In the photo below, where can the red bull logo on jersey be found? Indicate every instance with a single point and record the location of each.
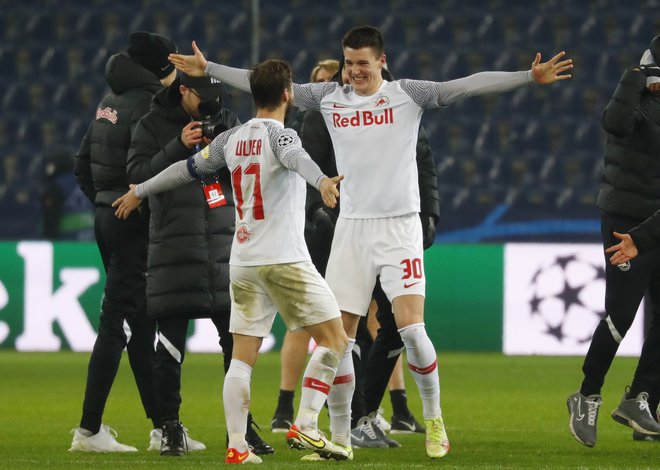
(364, 118)
(246, 148)
(381, 101)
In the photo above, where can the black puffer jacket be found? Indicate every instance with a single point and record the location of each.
(100, 164)
(631, 175)
(189, 243)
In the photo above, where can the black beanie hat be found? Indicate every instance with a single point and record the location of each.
(150, 50)
(655, 49)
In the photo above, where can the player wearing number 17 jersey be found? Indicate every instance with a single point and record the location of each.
(373, 124)
(270, 267)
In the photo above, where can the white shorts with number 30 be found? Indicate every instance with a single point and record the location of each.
(296, 290)
(362, 249)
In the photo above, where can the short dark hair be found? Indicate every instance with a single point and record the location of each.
(365, 36)
(268, 80)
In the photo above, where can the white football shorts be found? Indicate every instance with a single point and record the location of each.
(296, 290)
(363, 249)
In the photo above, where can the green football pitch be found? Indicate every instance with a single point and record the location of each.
(500, 412)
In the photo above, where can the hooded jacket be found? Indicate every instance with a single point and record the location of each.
(100, 163)
(631, 174)
(189, 243)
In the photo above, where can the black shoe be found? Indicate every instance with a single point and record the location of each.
(173, 442)
(638, 436)
(406, 425)
(255, 441)
(281, 423)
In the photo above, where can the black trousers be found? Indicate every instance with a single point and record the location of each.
(170, 354)
(123, 248)
(374, 365)
(623, 293)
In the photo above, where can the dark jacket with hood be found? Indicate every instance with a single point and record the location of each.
(631, 175)
(189, 243)
(100, 164)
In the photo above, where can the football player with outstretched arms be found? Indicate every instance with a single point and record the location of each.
(373, 124)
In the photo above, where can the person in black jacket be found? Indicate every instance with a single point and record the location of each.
(100, 167)
(629, 194)
(190, 236)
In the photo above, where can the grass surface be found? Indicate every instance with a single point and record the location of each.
(501, 412)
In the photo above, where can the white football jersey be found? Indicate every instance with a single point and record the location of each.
(269, 197)
(375, 137)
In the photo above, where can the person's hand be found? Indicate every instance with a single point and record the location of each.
(193, 65)
(323, 220)
(428, 229)
(126, 203)
(623, 251)
(551, 71)
(191, 135)
(329, 191)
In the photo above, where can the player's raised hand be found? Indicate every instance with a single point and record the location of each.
(329, 191)
(193, 65)
(623, 251)
(552, 70)
(126, 203)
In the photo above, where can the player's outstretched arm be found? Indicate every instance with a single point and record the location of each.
(193, 65)
(552, 70)
(329, 191)
(623, 251)
(126, 203)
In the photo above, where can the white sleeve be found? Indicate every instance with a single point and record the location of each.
(238, 78)
(172, 177)
(288, 149)
(429, 94)
(309, 95)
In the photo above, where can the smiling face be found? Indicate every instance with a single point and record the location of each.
(363, 67)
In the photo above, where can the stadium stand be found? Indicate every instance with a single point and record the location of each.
(530, 155)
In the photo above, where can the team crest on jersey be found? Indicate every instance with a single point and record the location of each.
(243, 234)
(284, 140)
(205, 152)
(381, 101)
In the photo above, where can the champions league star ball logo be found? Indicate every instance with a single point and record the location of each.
(567, 298)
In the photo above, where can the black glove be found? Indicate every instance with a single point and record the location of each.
(650, 70)
(428, 229)
(324, 221)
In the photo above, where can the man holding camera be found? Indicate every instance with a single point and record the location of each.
(190, 236)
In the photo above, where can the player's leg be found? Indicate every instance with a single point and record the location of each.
(292, 362)
(623, 294)
(351, 275)
(236, 396)
(645, 384)
(402, 278)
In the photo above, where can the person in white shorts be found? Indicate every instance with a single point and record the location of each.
(373, 124)
(270, 267)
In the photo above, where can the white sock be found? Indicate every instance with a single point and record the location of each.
(236, 401)
(339, 399)
(423, 363)
(316, 384)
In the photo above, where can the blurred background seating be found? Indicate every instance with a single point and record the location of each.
(533, 154)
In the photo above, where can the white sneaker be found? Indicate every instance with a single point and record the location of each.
(103, 441)
(382, 422)
(156, 436)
